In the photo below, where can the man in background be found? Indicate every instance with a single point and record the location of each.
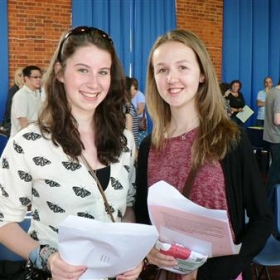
(27, 101)
(261, 97)
(272, 135)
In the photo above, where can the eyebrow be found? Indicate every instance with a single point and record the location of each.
(85, 65)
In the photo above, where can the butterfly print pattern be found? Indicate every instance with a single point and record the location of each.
(126, 149)
(18, 148)
(32, 136)
(35, 192)
(127, 168)
(82, 192)
(57, 186)
(35, 215)
(54, 228)
(112, 210)
(34, 235)
(120, 214)
(55, 208)
(70, 165)
(52, 183)
(5, 163)
(116, 184)
(4, 193)
(85, 215)
(25, 201)
(41, 161)
(24, 176)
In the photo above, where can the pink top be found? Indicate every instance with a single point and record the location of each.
(172, 165)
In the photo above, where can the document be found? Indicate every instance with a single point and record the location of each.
(245, 114)
(107, 249)
(181, 221)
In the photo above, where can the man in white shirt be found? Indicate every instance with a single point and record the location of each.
(27, 101)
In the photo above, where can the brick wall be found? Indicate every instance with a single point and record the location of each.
(205, 18)
(36, 26)
(34, 30)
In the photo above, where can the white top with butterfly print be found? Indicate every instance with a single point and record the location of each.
(35, 171)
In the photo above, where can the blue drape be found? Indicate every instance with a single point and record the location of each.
(251, 45)
(4, 65)
(133, 25)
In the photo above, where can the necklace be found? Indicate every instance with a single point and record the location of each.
(183, 133)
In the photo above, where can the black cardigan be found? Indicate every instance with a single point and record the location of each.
(244, 191)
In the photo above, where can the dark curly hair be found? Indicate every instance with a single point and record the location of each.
(56, 118)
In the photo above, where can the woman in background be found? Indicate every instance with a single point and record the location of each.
(18, 83)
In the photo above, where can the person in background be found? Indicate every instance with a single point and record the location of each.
(27, 101)
(261, 97)
(138, 101)
(18, 83)
(278, 85)
(271, 134)
(209, 156)
(46, 165)
(236, 100)
(132, 110)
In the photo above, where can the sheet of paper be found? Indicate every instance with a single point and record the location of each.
(107, 249)
(245, 114)
(179, 220)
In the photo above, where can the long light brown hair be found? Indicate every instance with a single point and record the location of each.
(216, 133)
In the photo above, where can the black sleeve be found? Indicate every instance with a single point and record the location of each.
(245, 192)
(141, 207)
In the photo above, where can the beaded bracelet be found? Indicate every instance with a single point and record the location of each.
(39, 256)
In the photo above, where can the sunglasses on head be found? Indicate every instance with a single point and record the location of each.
(83, 30)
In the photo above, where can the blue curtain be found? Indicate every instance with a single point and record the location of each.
(4, 65)
(133, 25)
(251, 45)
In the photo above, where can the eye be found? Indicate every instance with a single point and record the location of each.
(83, 70)
(161, 70)
(183, 67)
(104, 72)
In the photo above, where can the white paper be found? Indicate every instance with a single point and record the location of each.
(245, 114)
(180, 221)
(107, 249)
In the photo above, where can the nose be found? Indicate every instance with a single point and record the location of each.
(92, 80)
(172, 76)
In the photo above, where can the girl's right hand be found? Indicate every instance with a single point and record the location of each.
(61, 270)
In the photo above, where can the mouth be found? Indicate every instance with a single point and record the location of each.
(89, 94)
(175, 90)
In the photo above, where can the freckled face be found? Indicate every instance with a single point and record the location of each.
(177, 74)
(87, 78)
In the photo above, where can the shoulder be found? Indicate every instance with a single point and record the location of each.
(140, 96)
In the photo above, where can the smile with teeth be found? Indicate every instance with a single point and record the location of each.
(89, 95)
(175, 90)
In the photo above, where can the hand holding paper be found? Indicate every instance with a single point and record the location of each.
(180, 221)
(107, 249)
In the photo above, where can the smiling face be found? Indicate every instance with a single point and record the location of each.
(177, 74)
(87, 78)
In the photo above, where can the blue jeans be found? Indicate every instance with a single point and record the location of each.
(274, 169)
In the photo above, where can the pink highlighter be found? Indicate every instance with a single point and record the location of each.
(176, 250)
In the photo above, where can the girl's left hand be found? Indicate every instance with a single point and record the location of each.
(131, 274)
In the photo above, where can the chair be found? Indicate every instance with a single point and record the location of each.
(260, 146)
(270, 255)
(5, 253)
